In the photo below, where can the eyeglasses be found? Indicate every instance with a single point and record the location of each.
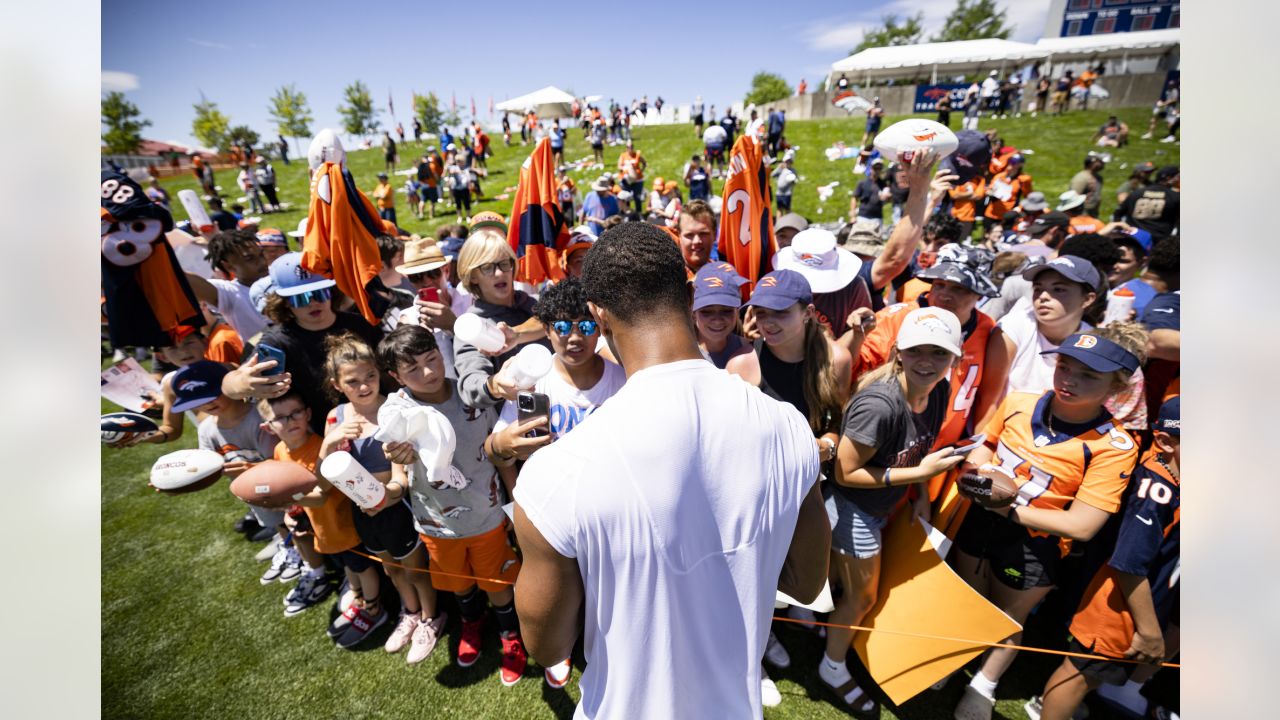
(298, 414)
(564, 327)
(302, 300)
(505, 266)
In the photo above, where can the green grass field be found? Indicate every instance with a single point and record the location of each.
(188, 632)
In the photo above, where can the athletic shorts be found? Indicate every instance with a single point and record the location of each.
(597, 146)
(697, 119)
(390, 531)
(430, 194)
(1109, 673)
(351, 561)
(488, 556)
(854, 532)
(1018, 559)
(873, 125)
(714, 153)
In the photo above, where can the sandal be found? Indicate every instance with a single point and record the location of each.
(850, 693)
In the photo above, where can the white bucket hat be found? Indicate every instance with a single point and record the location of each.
(813, 254)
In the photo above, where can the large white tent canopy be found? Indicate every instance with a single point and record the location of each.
(1132, 44)
(549, 102)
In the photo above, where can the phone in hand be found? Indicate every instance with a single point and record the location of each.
(429, 294)
(266, 352)
(968, 445)
(532, 405)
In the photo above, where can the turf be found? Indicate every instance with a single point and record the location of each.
(188, 632)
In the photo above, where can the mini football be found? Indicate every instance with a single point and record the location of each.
(119, 426)
(901, 140)
(990, 486)
(186, 471)
(273, 483)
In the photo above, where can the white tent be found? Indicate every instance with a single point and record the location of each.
(549, 102)
(946, 58)
(1082, 47)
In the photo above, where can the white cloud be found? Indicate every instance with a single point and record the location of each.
(116, 80)
(208, 44)
(842, 34)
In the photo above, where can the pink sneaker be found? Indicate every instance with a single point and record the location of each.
(425, 637)
(405, 628)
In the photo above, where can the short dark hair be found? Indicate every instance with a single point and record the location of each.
(227, 243)
(945, 226)
(1097, 249)
(1164, 258)
(291, 394)
(563, 301)
(635, 270)
(404, 344)
(215, 203)
(447, 231)
(388, 247)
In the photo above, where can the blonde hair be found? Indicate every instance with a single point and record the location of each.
(891, 370)
(483, 246)
(1131, 336)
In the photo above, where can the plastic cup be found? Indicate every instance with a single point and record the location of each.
(1119, 305)
(345, 473)
(532, 363)
(475, 330)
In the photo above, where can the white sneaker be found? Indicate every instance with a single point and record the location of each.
(269, 551)
(1168, 139)
(1146, 136)
(557, 676)
(974, 705)
(775, 654)
(405, 626)
(278, 562)
(769, 695)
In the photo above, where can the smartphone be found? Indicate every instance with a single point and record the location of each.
(266, 352)
(531, 405)
(429, 294)
(968, 444)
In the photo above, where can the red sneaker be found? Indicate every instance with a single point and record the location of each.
(469, 645)
(514, 659)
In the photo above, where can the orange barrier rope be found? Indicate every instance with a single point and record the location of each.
(925, 636)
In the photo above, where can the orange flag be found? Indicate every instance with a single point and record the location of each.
(746, 221)
(538, 230)
(342, 227)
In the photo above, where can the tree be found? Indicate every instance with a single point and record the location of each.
(242, 135)
(292, 114)
(767, 87)
(427, 109)
(908, 33)
(359, 117)
(974, 20)
(124, 126)
(210, 126)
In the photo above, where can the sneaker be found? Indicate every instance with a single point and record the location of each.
(514, 659)
(1146, 136)
(769, 695)
(1168, 139)
(262, 534)
(278, 562)
(557, 676)
(312, 589)
(469, 645)
(405, 627)
(1033, 708)
(247, 524)
(974, 705)
(425, 637)
(361, 626)
(776, 654)
(341, 623)
(269, 551)
(292, 566)
(297, 592)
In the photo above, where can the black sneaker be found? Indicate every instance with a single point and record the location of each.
(262, 534)
(247, 524)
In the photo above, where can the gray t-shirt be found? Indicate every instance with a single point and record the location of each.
(246, 440)
(879, 417)
(471, 503)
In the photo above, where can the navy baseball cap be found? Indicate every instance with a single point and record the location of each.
(781, 289)
(290, 278)
(1071, 267)
(1170, 418)
(717, 283)
(1099, 353)
(451, 246)
(197, 384)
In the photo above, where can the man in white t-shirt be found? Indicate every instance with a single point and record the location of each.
(235, 253)
(671, 515)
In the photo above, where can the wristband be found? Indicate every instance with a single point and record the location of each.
(886, 478)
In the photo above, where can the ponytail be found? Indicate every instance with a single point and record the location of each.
(821, 391)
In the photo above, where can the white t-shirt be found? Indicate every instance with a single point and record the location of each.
(679, 499)
(1029, 371)
(237, 309)
(569, 405)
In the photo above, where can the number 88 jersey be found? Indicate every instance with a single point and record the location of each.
(1090, 461)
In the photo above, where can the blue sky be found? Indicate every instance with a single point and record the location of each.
(163, 55)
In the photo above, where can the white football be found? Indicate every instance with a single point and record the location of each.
(900, 140)
(325, 147)
(186, 471)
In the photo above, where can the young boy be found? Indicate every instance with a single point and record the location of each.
(460, 520)
(1131, 608)
(332, 529)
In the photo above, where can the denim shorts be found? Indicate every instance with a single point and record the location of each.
(854, 531)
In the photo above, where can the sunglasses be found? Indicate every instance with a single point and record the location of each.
(302, 300)
(564, 327)
(505, 266)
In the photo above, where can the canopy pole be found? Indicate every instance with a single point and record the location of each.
(934, 79)
(1124, 63)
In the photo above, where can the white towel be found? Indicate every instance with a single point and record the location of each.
(427, 428)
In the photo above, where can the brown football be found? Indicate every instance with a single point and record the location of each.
(989, 486)
(273, 483)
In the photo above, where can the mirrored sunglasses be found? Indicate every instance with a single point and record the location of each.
(302, 300)
(564, 327)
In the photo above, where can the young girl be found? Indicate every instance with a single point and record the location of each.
(887, 434)
(1061, 291)
(387, 530)
(1070, 462)
(716, 299)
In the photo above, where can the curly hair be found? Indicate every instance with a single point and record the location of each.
(944, 227)
(1132, 337)
(635, 271)
(229, 243)
(1164, 260)
(563, 301)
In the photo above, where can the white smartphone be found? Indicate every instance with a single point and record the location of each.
(968, 445)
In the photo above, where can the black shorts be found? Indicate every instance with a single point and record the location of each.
(697, 119)
(597, 146)
(1018, 559)
(430, 194)
(351, 561)
(1109, 673)
(390, 531)
(715, 153)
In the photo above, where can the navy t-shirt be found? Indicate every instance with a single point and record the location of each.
(869, 203)
(1164, 312)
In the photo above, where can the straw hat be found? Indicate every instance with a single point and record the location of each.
(421, 255)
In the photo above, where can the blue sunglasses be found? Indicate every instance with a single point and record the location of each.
(302, 300)
(564, 327)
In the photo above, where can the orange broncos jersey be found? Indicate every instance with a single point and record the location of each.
(1084, 224)
(1090, 461)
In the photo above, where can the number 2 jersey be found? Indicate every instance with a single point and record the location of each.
(1056, 463)
(1148, 545)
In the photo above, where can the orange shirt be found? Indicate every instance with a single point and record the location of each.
(965, 210)
(385, 196)
(334, 529)
(224, 345)
(1005, 193)
(1084, 224)
(631, 161)
(912, 289)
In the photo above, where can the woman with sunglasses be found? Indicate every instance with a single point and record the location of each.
(299, 305)
(487, 269)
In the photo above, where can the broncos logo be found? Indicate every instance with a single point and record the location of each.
(713, 282)
(455, 511)
(769, 281)
(925, 137)
(188, 385)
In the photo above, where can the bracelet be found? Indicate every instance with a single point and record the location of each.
(886, 478)
(828, 444)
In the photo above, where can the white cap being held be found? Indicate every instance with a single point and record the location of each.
(931, 326)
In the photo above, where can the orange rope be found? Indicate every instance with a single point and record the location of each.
(925, 636)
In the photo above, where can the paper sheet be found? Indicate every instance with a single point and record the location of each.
(126, 384)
